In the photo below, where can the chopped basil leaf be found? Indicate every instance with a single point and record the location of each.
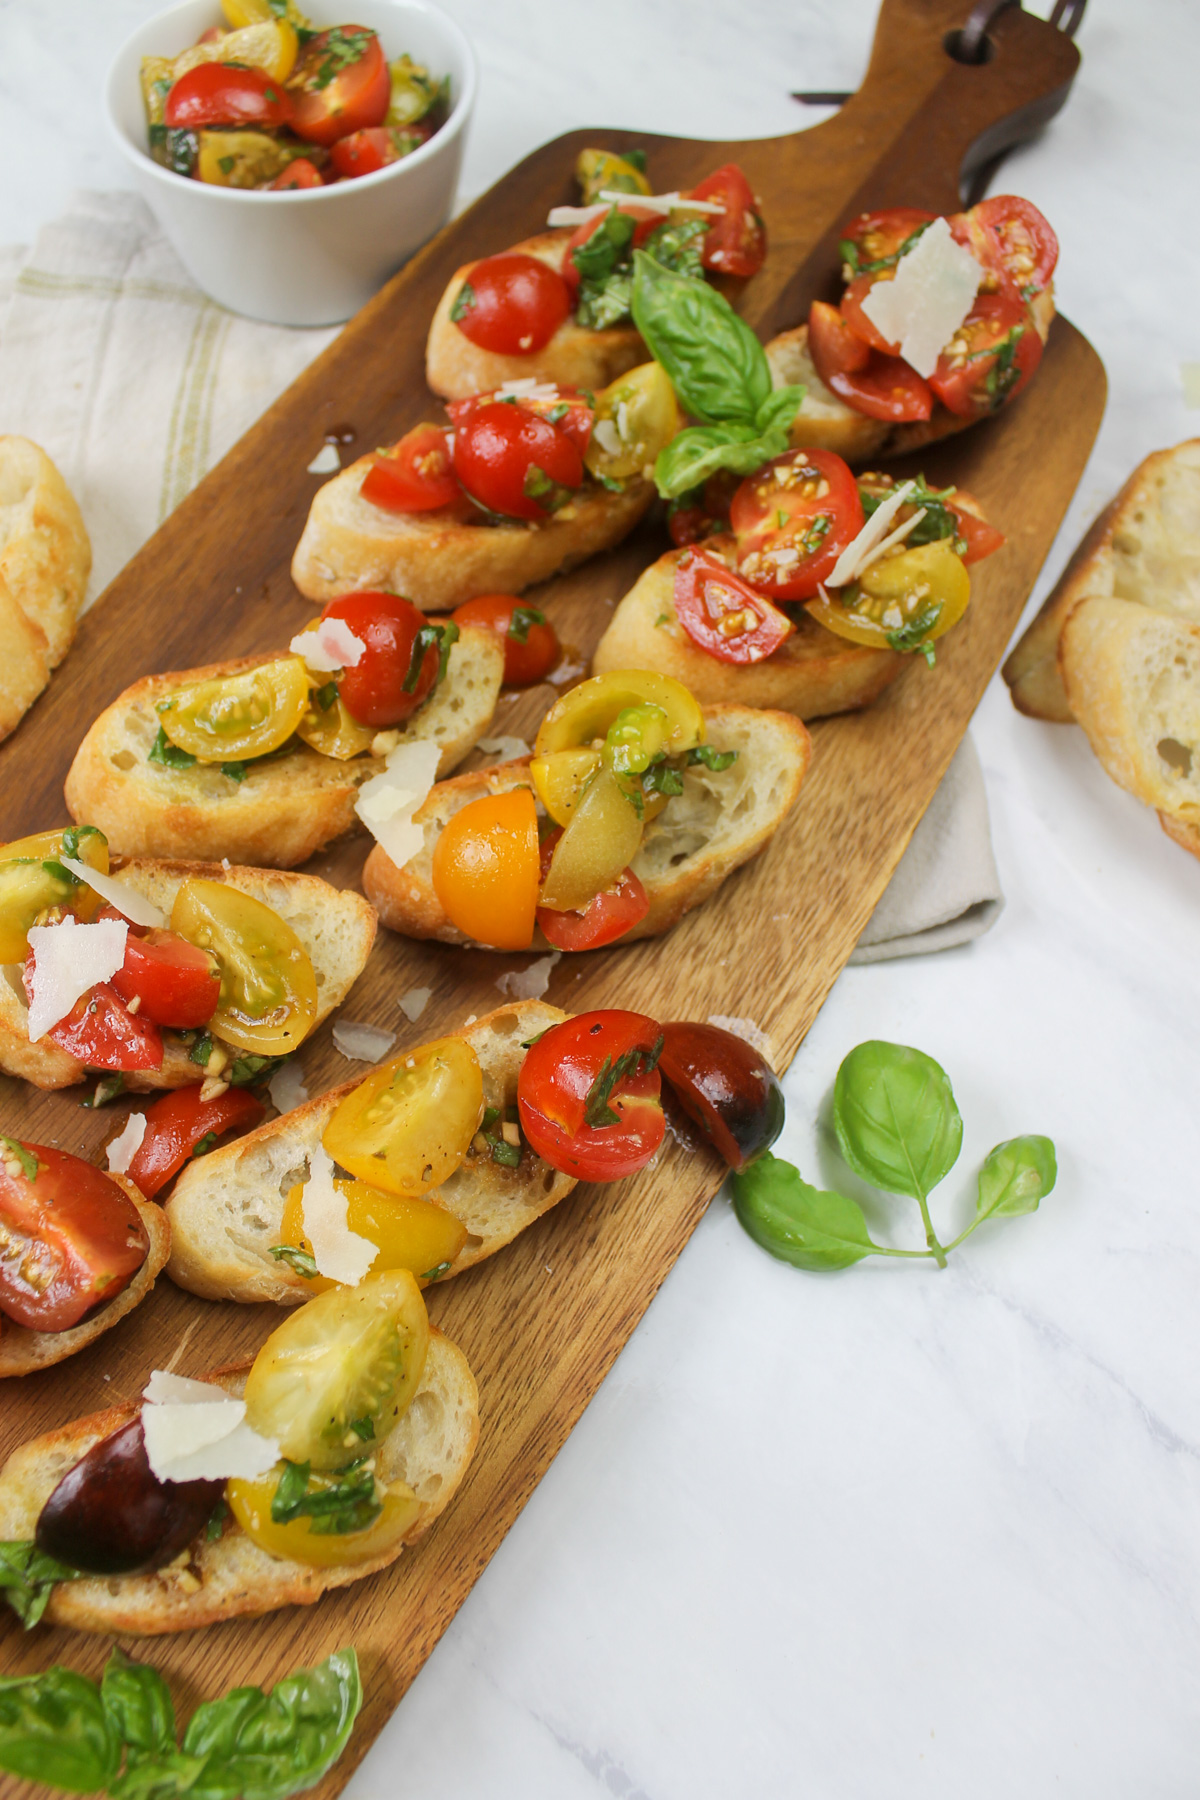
(28, 1161)
(596, 1111)
(429, 636)
(434, 1274)
(163, 751)
(249, 1070)
(915, 635)
(325, 696)
(203, 1145)
(202, 1049)
(27, 1579)
(522, 618)
(363, 1428)
(236, 771)
(216, 1524)
(106, 1089)
(299, 1261)
(464, 302)
(348, 1503)
(715, 760)
(539, 486)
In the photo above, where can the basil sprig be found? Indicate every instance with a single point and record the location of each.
(118, 1735)
(899, 1128)
(720, 372)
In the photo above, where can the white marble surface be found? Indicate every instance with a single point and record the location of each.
(891, 1533)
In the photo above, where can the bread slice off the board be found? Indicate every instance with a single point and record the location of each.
(1144, 548)
(437, 559)
(22, 1351)
(430, 1449)
(720, 821)
(812, 674)
(45, 560)
(335, 925)
(575, 356)
(286, 807)
(227, 1209)
(1132, 679)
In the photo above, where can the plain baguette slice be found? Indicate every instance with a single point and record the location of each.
(335, 925)
(22, 1351)
(1132, 679)
(45, 560)
(287, 807)
(227, 1209)
(437, 560)
(230, 1578)
(1144, 547)
(575, 357)
(718, 823)
(812, 674)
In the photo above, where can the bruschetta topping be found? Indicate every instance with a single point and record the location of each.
(70, 1238)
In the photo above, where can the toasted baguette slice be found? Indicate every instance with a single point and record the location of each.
(456, 368)
(227, 1209)
(813, 672)
(45, 560)
(719, 822)
(1182, 832)
(826, 423)
(287, 807)
(1145, 547)
(21, 1351)
(436, 559)
(335, 925)
(1132, 679)
(232, 1578)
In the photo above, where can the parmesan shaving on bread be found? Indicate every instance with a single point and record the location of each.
(339, 1253)
(930, 294)
(195, 1431)
(68, 959)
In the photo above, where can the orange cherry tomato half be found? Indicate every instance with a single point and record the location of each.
(736, 240)
(374, 688)
(486, 869)
(723, 614)
(886, 389)
(178, 1123)
(589, 1095)
(515, 462)
(512, 304)
(991, 356)
(793, 519)
(366, 152)
(72, 1238)
(609, 916)
(416, 475)
(298, 174)
(226, 94)
(173, 982)
(834, 348)
(531, 646)
(646, 223)
(340, 85)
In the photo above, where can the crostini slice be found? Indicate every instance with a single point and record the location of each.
(45, 560)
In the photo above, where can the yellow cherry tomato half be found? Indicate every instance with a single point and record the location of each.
(268, 1002)
(599, 169)
(32, 879)
(560, 779)
(486, 868)
(240, 13)
(409, 1233)
(600, 841)
(901, 603)
(408, 1126)
(259, 38)
(231, 717)
(352, 1356)
(642, 418)
(584, 715)
(250, 1504)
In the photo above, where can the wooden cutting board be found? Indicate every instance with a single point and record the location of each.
(543, 1322)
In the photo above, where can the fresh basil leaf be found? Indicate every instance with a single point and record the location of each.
(137, 1703)
(716, 364)
(1016, 1175)
(915, 635)
(596, 1109)
(522, 618)
(54, 1728)
(677, 247)
(715, 760)
(444, 637)
(779, 408)
(163, 751)
(265, 1746)
(795, 1222)
(73, 837)
(249, 1069)
(106, 1089)
(202, 1049)
(236, 771)
(508, 1155)
(601, 304)
(896, 1119)
(464, 302)
(28, 1577)
(346, 1504)
(662, 778)
(608, 245)
(700, 450)
(299, 1261)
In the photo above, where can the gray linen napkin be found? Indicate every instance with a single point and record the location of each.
(136, 384)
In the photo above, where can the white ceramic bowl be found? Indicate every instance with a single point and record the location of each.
(310, 256)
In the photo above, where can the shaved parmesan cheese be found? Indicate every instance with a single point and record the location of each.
(325, 461)
(362, 1043)
(70, 958)
(387, 802)
(286, 1087)
(662, 203)
(574, 215)
(127, 1143)
(195, 1431)
(528, 387)
(872, 534)
(506, 748)
(607, 436)
(339, 1253)
(413, 1004)
(891, 540)
(127, 900)
(927, 300)
(530, 983)
(328, 646)
(748, 1031)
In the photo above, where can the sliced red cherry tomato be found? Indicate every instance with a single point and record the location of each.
(573, 413)
(531, 646)
(374, 688)
(70, 1238)
(793, 519)
(723, 614)
(726, 1086)
(1026, 247)
(178, 1123)
(886, 389)
(588, 1095)
(980, 538)
(514, 462)
(340, 85)
(298, 174)
(991, 356)
(689, 521)
(417, 475)
(834, 348)
(646, 223)
(875, 241)
(172, 982)
(100, 1031)
(736, 241)
(859, 325)
(512, 304)
(609, 916)
(226, 94)
(366, 152)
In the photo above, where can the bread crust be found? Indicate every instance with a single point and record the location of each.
(232, 1577)
(45, 561)
(686, 853)
(286, 809)
(22, 1351)
(812, 674)
(456, 368)
(227, 1209)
